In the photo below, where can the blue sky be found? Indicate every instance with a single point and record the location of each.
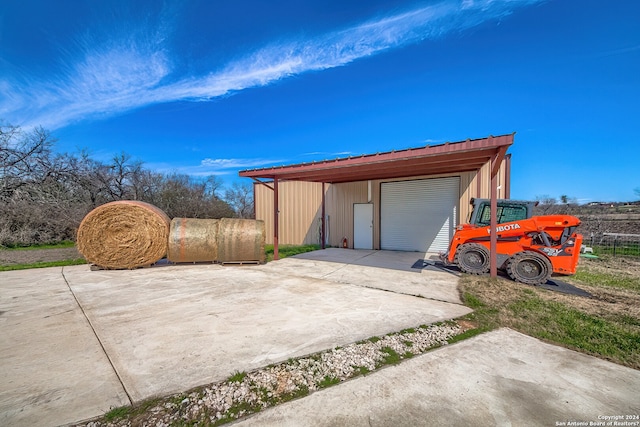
(211, 87)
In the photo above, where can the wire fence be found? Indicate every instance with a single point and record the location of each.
(615, 244)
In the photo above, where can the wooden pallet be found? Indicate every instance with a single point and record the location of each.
(95, 267)
(240, 263)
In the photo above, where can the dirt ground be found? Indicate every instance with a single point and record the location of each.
(11, 257)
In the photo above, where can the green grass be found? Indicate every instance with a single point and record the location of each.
(554, 321)
(301, 391)
(485, 315)
(118, 413)
(361, 370)
(232, 414)
(63, 244)
(237, 377)
(569, 322)
(122, 412)
(328, 381)
(470, 333)
(391, 356)
(473, 301)
(624, 249)
(605, 279)
(77, 261)
(289, 250)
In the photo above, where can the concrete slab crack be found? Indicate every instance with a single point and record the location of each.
(404, 293)
(104, 350)
(346, 264)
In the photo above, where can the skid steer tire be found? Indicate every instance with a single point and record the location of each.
(472, 258)
(529, 267)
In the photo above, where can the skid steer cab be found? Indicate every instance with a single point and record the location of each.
(529, 248)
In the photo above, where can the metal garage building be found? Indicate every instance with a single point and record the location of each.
(408, 200)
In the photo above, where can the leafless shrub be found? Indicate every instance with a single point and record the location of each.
(44, 195)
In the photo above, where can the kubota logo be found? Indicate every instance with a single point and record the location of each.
(505, 227)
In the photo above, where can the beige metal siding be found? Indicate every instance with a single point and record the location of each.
(468, 189)
(485, 173)
(301, 205)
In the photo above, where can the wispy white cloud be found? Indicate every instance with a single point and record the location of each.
(209, 166)
(613, 52)
(325, 153)
(134, 69)
(238, 163)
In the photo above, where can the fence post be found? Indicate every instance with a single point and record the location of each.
(615, 241)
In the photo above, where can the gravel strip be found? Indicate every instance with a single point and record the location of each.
(247, 393)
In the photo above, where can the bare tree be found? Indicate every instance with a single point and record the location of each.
(25, 158)
(183, 196)
(240, 197)
(147, 185)
(547, 205)
(213, 185)
(120, 175)
(45, 195)
(40, 200)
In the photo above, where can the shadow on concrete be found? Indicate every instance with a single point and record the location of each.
(552, 284)
(392, 260)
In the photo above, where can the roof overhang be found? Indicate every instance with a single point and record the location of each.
(449, 157)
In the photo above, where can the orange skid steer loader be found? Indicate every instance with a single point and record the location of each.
(529, 249)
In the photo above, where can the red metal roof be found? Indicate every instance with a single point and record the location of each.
(461, 156)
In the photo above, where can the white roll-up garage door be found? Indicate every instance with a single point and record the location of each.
(418, 215)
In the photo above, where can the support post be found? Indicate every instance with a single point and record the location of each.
(496, 161)
(493, 239)
(276, 255)
(323, 230)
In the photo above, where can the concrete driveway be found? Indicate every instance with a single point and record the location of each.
(501, 378)
(75, 343)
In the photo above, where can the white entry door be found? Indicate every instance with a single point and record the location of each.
(363, 226)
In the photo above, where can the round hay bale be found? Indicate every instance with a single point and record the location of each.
(124, 234)
(241, 240)
(193, 240)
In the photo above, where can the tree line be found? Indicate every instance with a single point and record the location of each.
(597, 218)
(44, 194)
